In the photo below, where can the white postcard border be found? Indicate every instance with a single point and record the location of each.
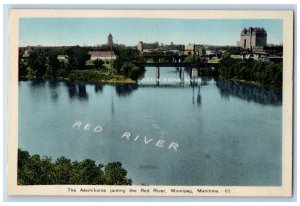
(287, 112)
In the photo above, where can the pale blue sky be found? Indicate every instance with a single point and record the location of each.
(94, 31)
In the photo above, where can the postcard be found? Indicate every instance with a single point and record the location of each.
(150, 102)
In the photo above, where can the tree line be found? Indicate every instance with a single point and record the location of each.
(34, 170)
(260, 72)
(42, 62)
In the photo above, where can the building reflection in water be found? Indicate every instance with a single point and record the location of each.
(250, 93)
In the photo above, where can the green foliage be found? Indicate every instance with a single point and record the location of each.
(37, 61)
(130, 70)
(34, 170)
(97, 76)
(116, 175)
(31, 74)
(22, 68)
(98, 63)
(77, 57)
(264, 73)
(43, 63)
(53, 64)
(135, 73)
(128, 62)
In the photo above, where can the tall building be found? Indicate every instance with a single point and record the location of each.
(146, 47)
(189, 49)
(110, 39)
(253, 38)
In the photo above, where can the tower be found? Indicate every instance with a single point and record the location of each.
(110, 39)
(253, 38)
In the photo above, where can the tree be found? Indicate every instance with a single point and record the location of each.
(98, 63)
(63, 168)
(135, 72)
(87, 173)
(116, 175)
(77, 57)
(37, 61)
(53, 64)
(126, 68)
(22, 68)
(34, 170)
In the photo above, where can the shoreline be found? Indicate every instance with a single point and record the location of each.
(115, 80)
(251, 83)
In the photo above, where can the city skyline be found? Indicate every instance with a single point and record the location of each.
(94, 31)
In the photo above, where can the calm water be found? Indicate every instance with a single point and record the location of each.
(224, 133)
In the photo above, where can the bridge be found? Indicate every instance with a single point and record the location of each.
(194, 68)
(170, 64)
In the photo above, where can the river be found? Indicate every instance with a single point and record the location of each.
(214, 133)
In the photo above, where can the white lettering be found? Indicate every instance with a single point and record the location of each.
(174, 145)
(136, 137)
(126, 134)
(98, 128)
(148, 141)
(77, 124)
(87, 127)
(160, 143)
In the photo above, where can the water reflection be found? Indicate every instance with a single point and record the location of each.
(198, 96)
(206, 79)
(226, 88)
(77, 91)
(98, 88)
(124, 90)
(249, 93)
(53, 90)
(82, 94)
(72, 90)
(37, 83)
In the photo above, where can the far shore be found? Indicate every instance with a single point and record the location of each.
(89, 76)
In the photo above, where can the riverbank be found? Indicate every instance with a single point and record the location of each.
(91, 76)
(252, 83)
(98, 76)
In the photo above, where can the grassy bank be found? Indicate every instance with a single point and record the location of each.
(88, 76)
(98, 76)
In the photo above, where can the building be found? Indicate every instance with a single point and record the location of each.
(147, 47)
(200, 50)
(110, 40)
(103, 55)
(257, 56)
(253, 38)
(176, 48)
(63, 58)
(189, 49)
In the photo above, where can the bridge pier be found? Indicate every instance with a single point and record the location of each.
(157, 75)
(181, 76)
(193, 76)
(157, 72)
